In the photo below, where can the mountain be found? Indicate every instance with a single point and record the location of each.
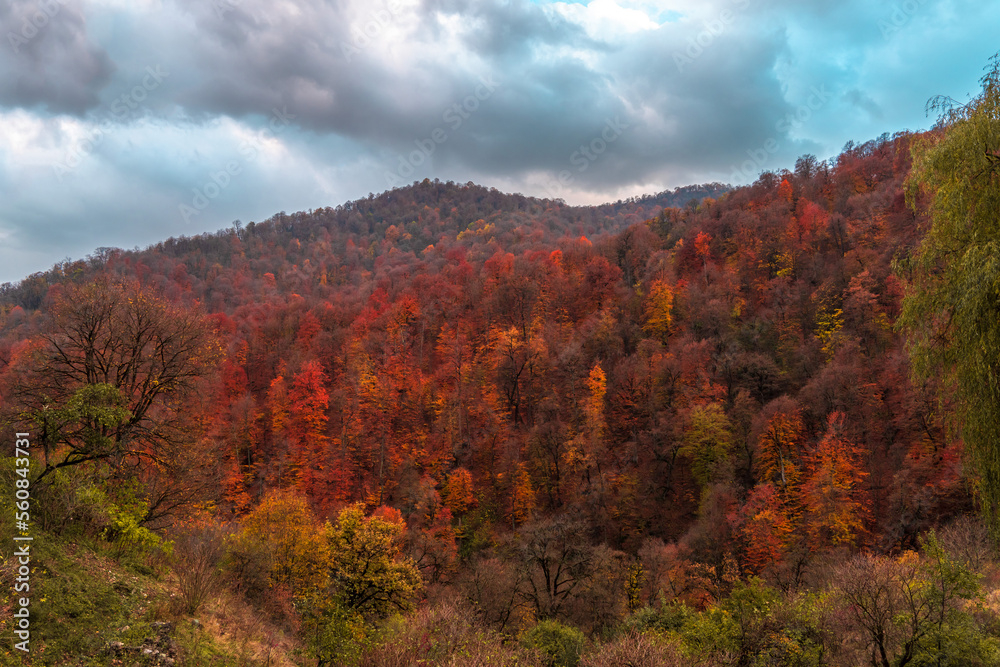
(778, 294)
(705, 383)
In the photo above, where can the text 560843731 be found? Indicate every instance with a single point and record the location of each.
(22, 517)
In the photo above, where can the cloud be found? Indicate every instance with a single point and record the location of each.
(604, 99)
(388, 74)
(50, 61)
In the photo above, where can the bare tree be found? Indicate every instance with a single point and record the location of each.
(886, 605)
(558, 561)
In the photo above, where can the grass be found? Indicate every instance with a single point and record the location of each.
(83, 600)
(80, 601)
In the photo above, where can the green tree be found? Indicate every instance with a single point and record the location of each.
(756, 626)
(87, 421)
(367, 572)
(953, 635)
(950, 311)
(560, 645)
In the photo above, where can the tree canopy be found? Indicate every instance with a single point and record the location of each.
(953, 302)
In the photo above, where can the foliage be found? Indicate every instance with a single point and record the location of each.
(832, 494)
(560, 644)
(756, 626)
(103, 379)
(954, 276)
(707, 442)
(367, 573)
(125, 530)
(778, 447)
(562, 413)
(666, 618)
(458, 492)
(659, 310)
(912, 611)
(339, 637)
(522, 498)
(282, 538)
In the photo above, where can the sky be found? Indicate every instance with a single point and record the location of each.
(125, 122)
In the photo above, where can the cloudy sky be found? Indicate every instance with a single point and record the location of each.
(123, 122)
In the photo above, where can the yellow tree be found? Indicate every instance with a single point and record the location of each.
(659, 310)
(593, 407)
(458, 496)
(285, 532)
(707, 441)
(586, 450)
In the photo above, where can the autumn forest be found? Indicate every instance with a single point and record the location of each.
(448, 425)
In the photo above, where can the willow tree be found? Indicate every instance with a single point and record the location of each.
(952, 308)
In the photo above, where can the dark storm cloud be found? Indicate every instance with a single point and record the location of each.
(337, 69)
(558, 87)
(47, 59)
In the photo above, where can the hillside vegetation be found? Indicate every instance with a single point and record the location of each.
(445, 425)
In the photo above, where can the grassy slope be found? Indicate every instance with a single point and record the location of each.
(84, 598)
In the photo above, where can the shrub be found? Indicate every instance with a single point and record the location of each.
(338, 637)
(670, 617)
(198, 553)
(442, 635)
(635, 650)
(125, 529)
(72, 501)
(559, 644)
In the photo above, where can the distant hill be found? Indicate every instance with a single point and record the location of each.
(455, 207)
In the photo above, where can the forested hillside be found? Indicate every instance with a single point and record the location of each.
(681, 415)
